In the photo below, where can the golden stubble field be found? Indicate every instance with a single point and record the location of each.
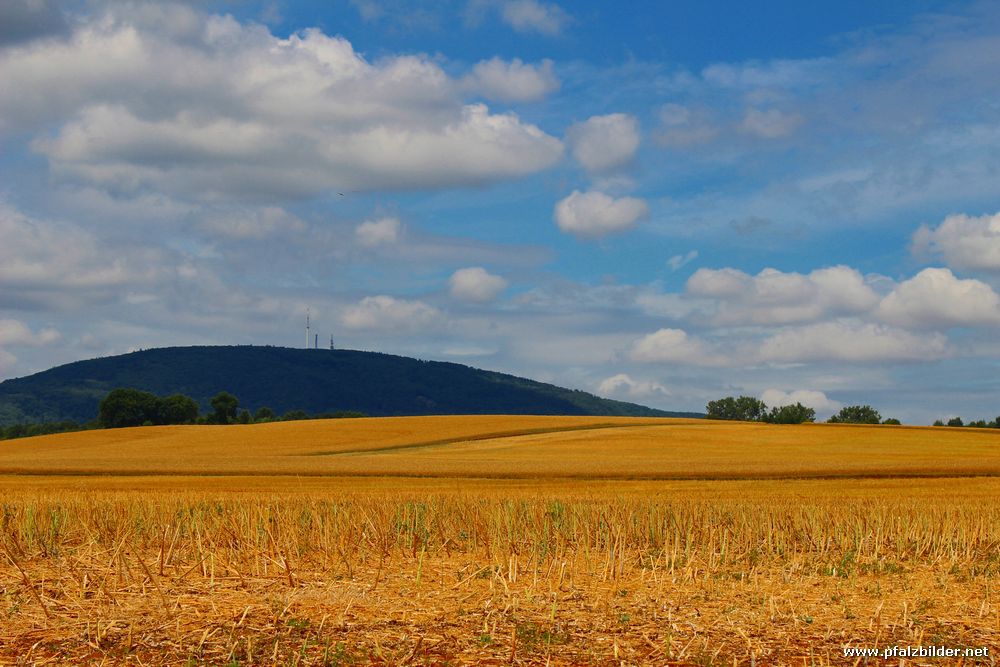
(497, 540)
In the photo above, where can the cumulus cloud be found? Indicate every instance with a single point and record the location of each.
(60, 267)
(809, 398)
(386, 313)
(965, 242)
(371, 233)
(475, 284)
(111, 148)
(162, 97)
(852, 342)
(770, 123)
(594, 214)
(936, 298)
(623, 386)
(776, 297)
(604, 143)
(677, 346)
(533, 16)
(57, 265)
(16, 332)
(512, 81)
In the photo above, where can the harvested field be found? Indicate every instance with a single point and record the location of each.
(504, 446)
(521, 567)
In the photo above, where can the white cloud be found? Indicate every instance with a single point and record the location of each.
(512, 81)
(623, 386)
(604, 143)
(16, 332)
(111, 148)
(850, 341)
(371, 233)
(671, 305)
(769, 124)
(936, 298)
(386, 313)
(776, 297)
(476, 284)
(965, 242)
(534, 16)
(677, 262)
(594, 214)
(162, 97)
(58, 265)
(252, 223)
(675, 345)
(809, 398)
(64, 268)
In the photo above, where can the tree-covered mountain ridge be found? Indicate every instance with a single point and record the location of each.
(285, 379)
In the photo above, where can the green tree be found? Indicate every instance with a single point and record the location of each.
(244, 417)
(128, 407)
(938, 422)
(178, 409)
(856, 414)
(790, 414)
(224, 407)
(892, 421)
(264, 414)
(956, 421)
(743, 408)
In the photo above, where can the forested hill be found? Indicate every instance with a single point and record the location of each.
(286, 379)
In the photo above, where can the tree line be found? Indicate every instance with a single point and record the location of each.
(124, 407)
(132, 407)
(750, 409)
(979, 423)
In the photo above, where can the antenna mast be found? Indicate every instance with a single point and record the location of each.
(307, 328)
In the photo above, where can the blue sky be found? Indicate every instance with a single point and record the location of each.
(669, 204)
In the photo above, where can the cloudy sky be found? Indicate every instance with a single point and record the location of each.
(666, 205)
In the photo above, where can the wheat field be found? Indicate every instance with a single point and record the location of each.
(497, 540)
(514, 446)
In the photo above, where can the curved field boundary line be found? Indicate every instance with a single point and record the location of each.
(498, 435)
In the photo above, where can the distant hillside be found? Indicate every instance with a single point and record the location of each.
(286, 379)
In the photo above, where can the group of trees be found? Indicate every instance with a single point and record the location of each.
(132, 407)
(750, 409)
(861, 414)
(979, 423)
